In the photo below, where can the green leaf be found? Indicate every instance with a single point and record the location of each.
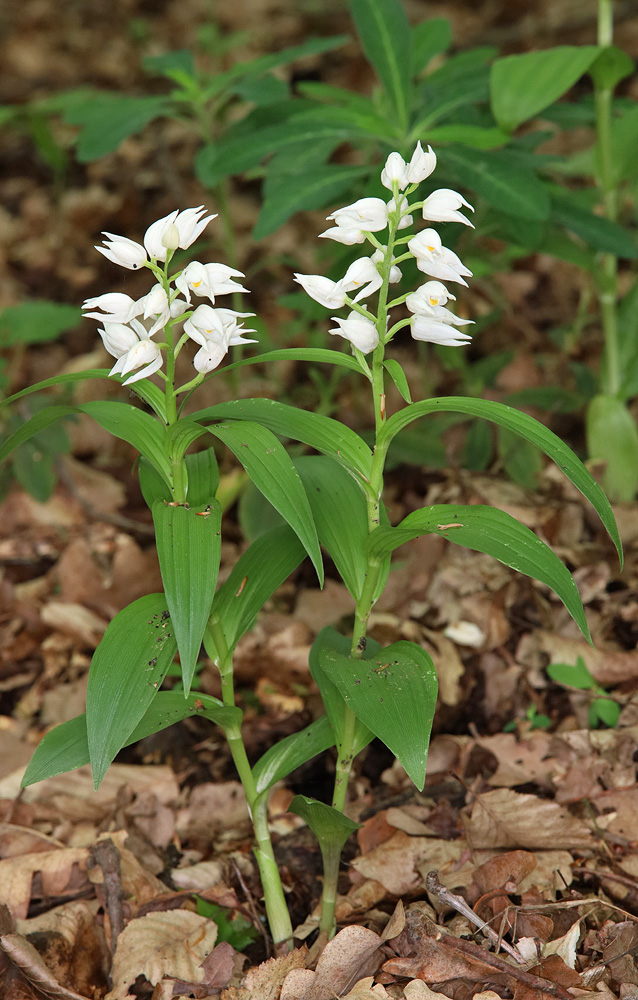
(610, 67)
(36, 322)
(523, 85)
(600, 233)
(521, 460)
(394, 695)
(624, 147)
(340, 514)
(48, 383)
(607, 711)
(386, 39)
(628, 343)
(396, 373)
(108, 118)
(203, 476)
(500, 177)
(475, 136)
(526, 427)
(321, 433)
(258, 572)
(167, 63)
(577, 676)
(271, 470)
(429, 39)
(140, 429)
(612, 436)
(67, 747)
(288, 191)
(330, 827)
(189, 548)
(34, 470)
(291, 752)
(332, 641)
(38, 422)
(126, 671)
(478, 447)
(489, 530)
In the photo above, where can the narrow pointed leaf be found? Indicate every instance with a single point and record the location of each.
(271, 470)
(526, 427)
(140, 429)
(291, 752)
(126, 671)
(524, 85)
(67, 747)
(489, 530)
(385, 35)
(321, 433)
(334, 642)
(394, 695)
(396, 373)
(330, 827)
(256, 575)
(340, 513)
(189, 548)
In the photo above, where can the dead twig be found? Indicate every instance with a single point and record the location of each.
(457, 903)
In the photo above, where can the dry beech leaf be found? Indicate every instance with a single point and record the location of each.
(56, 869)
(24, 957)
(264, 982)
(504, 818)
(416, 989)
(158, 944)
(511, 867)
(365, 990)
(350, 956)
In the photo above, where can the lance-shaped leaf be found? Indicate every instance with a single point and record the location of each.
(330, 827)
(322, 433)
(146, 390)
(394, 695)
(188, 547)
(523, 85)
(126, 671)
(255, 576)
(291, 752)
(489, 530)
(384, 32)
(271, 470)
(334, 642)
(67, 747)
(526, 427)
(340, 513)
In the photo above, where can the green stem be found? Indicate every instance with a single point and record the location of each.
(274, 898)
(369, 590)
(608, 276)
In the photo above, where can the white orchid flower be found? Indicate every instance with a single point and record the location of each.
(215, 330)
(361, 332)
(435, 332)
(406, 219)
(328, 293)
(362, 271)
(116, 307)
(429, 295)
(341, 234)
(120, 250)
(368, 215)
(133, 348)
(421, 165)
(178, 229)
(395, 171)
(436, 260)
(442, 206)
(209, 280)
(395, 272)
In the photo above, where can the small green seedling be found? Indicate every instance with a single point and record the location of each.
(603, 708)
(536, 719)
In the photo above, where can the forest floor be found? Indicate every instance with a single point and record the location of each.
(529, 816)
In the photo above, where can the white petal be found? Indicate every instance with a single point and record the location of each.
(330, 294)
(395, 170)
(442, 206)
(434, 332)
(421, 165)
(342, 235)
(150, 369)
(154, 235)
(361, 332)
(127, 253)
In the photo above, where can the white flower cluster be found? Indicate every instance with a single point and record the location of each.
(431, 320)
(130, 324)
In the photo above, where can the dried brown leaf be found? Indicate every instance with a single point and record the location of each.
(504, 818)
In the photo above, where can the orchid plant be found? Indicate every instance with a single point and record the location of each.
(333, 498)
